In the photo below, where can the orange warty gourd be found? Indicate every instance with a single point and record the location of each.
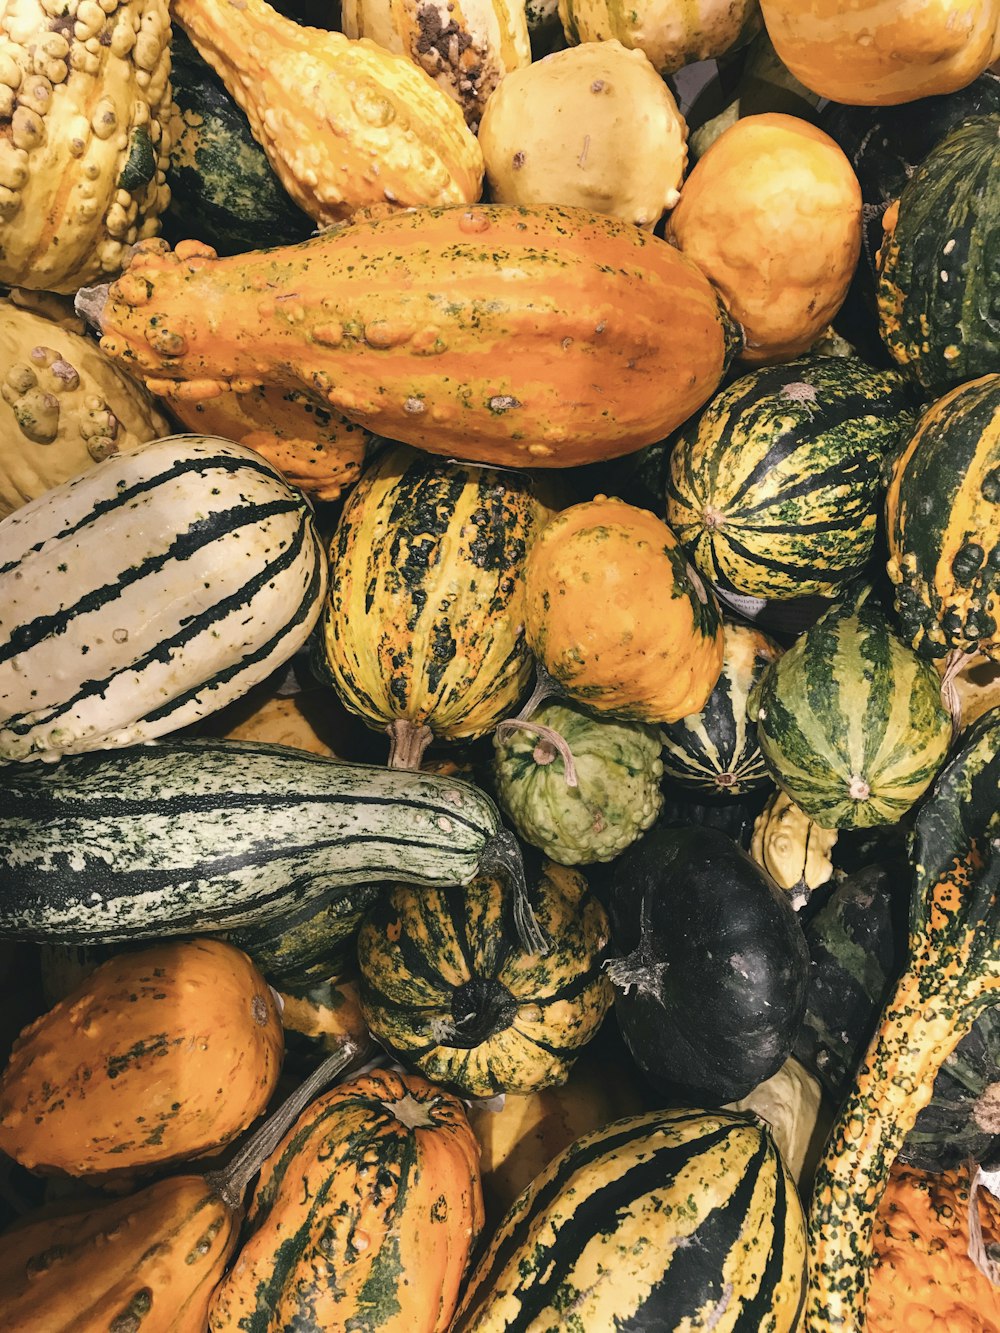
(923, 1279)
(883, 52)
(772, 214)
(526, 337)
(156, 1057)
(617, 616)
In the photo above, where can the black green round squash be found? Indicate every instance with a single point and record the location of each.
(716, 750)
(446, 986)
(222, 188)
(774, 489)
(710, 987)
(615, 795)
(653, 1223)
(850, 719)
(943, 524)
(939, 275)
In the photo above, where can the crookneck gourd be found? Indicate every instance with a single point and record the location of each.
(566, 337)
(157, 1056)
(84, 96)
(952, 974)
(422, 632)
(446, 984)
(345, 124)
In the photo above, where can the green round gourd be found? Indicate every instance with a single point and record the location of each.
(938, 292)
(850, 719)
(774, 489)
(617, 795)
(943, 524)
(716, 750)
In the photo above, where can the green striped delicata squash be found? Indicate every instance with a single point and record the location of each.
(672, 1220)
(938, 295)
(850, 720)
(447, 986)
(716, 749)
(148, 592)
(943, 524)
(197, 836)
(775, 488)
(423, 628)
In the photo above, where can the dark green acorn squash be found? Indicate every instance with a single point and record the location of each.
(775, 486)
(939, 264)
(711, 984)
(447, 987)
(222, 188)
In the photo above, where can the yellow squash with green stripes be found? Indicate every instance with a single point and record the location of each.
(424, 621)
(676, 1220)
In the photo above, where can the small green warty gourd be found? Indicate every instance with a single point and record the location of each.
(593, 806)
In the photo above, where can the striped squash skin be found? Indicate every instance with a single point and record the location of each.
(775, 488)
(446, 985)
(938, 310)
(147, 592)
(942, 512)
(716, 750)
(424, 619)
(524, 337)
(193, 836)
(672, 1220)
(850, 720)
(363, 1218)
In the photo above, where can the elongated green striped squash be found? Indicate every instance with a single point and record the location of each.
(942, 513)
(775, 488)
(147, 592)
(672, 1220)
(850, 720)
(937, 293)
(716, 749)
(193, 836)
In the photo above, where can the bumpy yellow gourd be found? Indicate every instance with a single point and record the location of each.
(345, 124)
(671, 34)
(593, 126)
(84, 94)
(466, 46)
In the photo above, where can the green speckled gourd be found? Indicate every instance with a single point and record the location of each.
(939, 263)
(943, 524)
(850, 720)
(775, 488)
(65, 406)
(84, 98)
(616, 796)
(716, 749)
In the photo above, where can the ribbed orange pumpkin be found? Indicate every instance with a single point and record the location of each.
(923, 1280)
(526, 337)
(157, 1056)
(617, 616)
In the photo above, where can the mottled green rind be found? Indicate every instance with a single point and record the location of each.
(939, 271)
(617, 795)
(774, 489)
(850, 720)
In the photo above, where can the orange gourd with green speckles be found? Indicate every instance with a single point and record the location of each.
(952, 975)
(617, 616)
(525, 337)
(156, 1057)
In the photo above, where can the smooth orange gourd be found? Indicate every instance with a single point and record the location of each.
(526, 337)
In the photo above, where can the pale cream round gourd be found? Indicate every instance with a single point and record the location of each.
(466, 46)
(671, 34)
(63, 406)
(592, 127)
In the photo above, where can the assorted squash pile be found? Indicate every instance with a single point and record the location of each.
(499, 666)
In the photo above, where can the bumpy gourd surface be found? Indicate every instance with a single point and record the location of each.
(671, 35)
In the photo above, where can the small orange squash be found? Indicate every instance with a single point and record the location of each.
(617, 616)
(772, 214)
(156, 1057)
